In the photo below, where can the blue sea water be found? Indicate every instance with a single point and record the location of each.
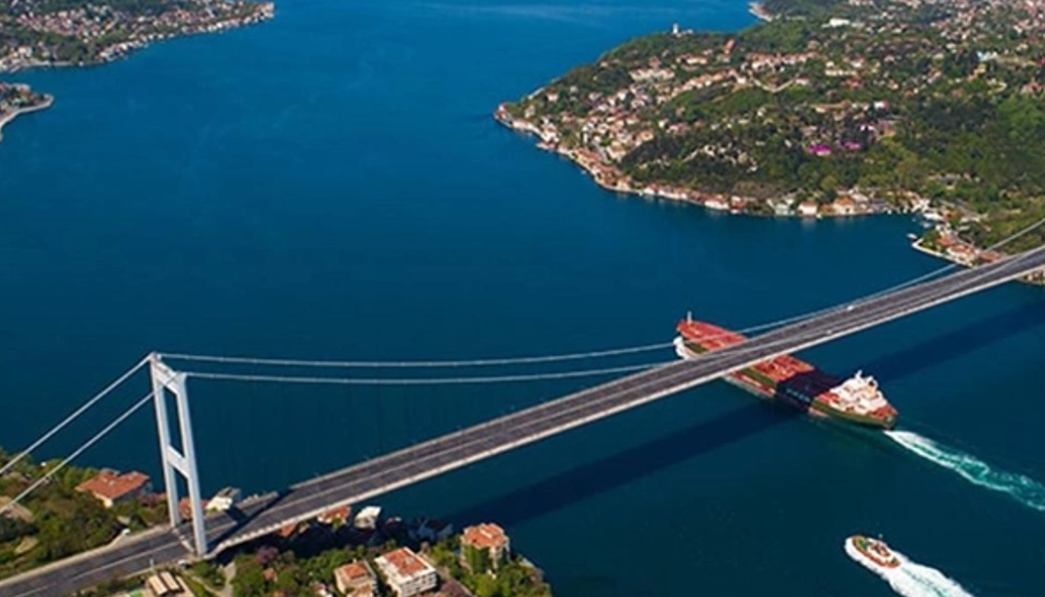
(330, 185)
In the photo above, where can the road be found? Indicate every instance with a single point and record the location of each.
(455, 450)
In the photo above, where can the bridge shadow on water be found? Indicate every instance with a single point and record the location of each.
(588, 480)
(951, 345)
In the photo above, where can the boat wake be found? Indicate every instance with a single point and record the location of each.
(911, 579)
(1021, 488)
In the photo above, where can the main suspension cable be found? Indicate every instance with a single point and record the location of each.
(389, 381)
(72, 417)
(331, 364)
(417, 364)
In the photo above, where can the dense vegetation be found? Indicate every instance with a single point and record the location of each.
(269, 570)
(56, 520)
(512, 578)
(944, 101)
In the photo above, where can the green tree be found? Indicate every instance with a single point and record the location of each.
(250, 578)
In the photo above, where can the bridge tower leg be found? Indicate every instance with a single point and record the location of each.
(165, 379)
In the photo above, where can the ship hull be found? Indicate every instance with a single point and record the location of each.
(866, 560)
(755, 383)
(872, 422)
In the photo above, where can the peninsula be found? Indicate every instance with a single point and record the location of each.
(822, 108)
(19, 99)
(36, 33)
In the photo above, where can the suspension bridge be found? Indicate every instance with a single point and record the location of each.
(208, 535)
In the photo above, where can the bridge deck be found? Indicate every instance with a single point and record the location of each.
(459, 449)
(445, 453)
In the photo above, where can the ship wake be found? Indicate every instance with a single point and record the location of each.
(1021, 488)
(911, 579)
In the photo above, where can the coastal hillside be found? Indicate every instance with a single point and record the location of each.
(77, 32)
(36, 33)
(823, 108)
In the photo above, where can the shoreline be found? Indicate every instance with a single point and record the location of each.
(610, 179)
(11, 116)
(943, 256)
(758, 10)
(264, 11)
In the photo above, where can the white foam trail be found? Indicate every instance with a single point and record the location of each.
(911, 579)
(1021, 488)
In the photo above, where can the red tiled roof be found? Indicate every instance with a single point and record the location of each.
(405, 561)
(112, 485)
(484, 536)
(340, 514)
(185, 507)
(352, 572)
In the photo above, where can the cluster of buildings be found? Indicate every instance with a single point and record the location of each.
(852, 202)
(399, 572)
(965, 21)
(121, 29)
(854, 72)
(403, 572)
(408, 574)
(616, 124)
(111, 487)
(944, 242)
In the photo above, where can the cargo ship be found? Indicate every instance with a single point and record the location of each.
(796, 382)
(872, 553)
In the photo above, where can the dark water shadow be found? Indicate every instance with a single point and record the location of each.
(951, 345)
(569, 487)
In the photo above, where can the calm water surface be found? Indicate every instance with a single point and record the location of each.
(330, 184)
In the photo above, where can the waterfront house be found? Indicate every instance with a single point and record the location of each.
(336, 516)
(110, 487)
(223, 500)
(962, 253)
(484, 546)
(808, 209)
(406, 573)
(185, 507)
(716, 203)
(844, 206)
(368, 517)
(356, 580)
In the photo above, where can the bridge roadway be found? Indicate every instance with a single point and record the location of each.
(410, 465)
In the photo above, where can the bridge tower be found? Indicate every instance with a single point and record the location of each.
(164, 380)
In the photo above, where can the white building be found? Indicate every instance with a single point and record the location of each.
(368, 517)
(808, 209)
(224, 499)
(406, 573)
